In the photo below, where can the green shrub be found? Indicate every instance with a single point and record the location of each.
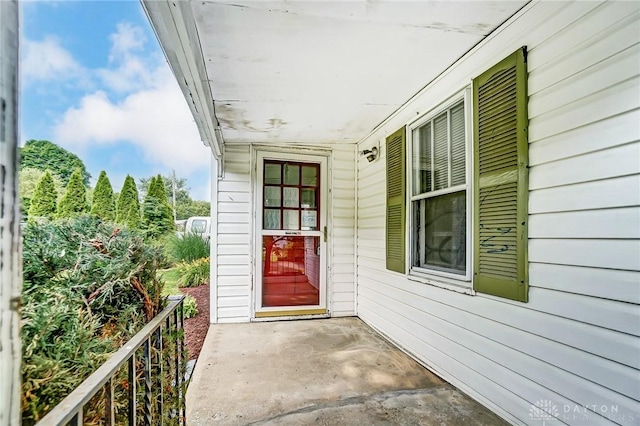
(44, 200)
(193, 274)
(74, 200)
(190, 307)
(157, 214)
(128, 204)
(88, 288)
(103, 204)
(187, 248)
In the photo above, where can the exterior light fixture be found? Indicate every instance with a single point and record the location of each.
(371, 154)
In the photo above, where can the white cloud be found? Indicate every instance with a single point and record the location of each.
(152, 115)
(156, 119)
(47, 60)
(130, 69)
(127, 39)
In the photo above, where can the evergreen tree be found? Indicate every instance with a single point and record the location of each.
(157, 214)
(132, 219)
(103, 204)
(74, 200)
(43, 202)
(185, 206)
(128, 205)
(28, 178)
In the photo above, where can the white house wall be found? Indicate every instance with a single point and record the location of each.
(575, 344)
(233, 247)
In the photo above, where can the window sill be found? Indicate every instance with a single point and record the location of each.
(459, 286)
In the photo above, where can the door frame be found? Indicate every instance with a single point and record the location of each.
(321, 158)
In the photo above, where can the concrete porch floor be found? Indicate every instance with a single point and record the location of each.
(330, 372)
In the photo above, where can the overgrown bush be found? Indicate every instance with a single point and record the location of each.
(88, 287)
(190, 307)
(187, 248)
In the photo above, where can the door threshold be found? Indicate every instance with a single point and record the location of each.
(290, 313)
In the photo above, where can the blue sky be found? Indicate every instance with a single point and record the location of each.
(95, 82)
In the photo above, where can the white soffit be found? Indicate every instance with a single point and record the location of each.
(329, 71)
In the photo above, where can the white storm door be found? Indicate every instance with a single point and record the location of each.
(291, 236)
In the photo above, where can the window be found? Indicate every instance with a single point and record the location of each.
(468, 189)
(439, 193)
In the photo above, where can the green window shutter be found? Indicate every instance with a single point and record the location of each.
(396, 201)
(501, 179)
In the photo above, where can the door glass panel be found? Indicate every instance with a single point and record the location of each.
(309, 220)
(291, 271)
(272, 196)
(291, 198)
(272, 174)
(271, 219)
(291, 174)
(308, 198)
(309, 176)
(290, 219)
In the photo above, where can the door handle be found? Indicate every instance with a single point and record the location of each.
(325, 234)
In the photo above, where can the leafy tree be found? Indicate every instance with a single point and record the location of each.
(74, 200)
(194, 208)
(103, 204)
(45, 155)
(28, 179)
(43, 202)
(128, 204)
(185, 206)
(157, 215)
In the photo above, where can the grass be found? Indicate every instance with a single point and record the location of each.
(171, 282)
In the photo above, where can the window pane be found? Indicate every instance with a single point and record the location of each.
(308, 198)
(457, 145)
(440, 232)
(290, 219)
(291, 174)
(271, 219)
(291, 197)
(272, 174)
(309, 176)
(441, 152)
(272, 196)
(422, 159)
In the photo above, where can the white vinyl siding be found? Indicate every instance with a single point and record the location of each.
(233, 245)
(576, 342)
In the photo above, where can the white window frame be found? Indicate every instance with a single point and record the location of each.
(450, 280)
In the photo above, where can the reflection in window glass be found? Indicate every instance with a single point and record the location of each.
(291, 174)
(440, 226)
(308, 198)
(272, 196)
(271, 219)
(309, 176)
(272, 174)
(290, 219)
(291, 197)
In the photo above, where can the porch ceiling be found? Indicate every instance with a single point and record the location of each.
(312, 71)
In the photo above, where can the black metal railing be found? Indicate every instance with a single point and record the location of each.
(162, 374)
